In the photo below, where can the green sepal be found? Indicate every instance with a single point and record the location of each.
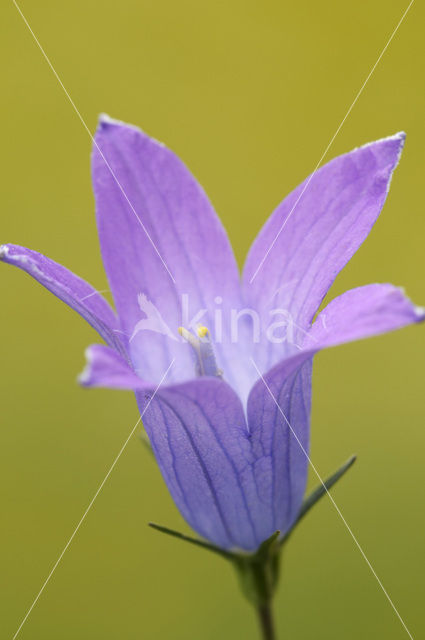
(318, 493)
(199, 543)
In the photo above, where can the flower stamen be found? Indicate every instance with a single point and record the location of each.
(206, 364)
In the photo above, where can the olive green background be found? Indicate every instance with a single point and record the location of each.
(249, 95)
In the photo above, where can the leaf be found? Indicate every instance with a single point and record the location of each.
(319, 492)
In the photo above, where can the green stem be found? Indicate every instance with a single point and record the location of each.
(265, 617)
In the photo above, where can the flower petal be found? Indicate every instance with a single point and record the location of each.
(363, 312)
(107, 368)
(199, 436)
(71, 289)
(279, 403)
(161, 238)
(313, 233)
(279, 423)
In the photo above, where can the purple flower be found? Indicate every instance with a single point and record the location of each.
(226, 451)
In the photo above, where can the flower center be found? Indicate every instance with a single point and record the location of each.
(206, 364)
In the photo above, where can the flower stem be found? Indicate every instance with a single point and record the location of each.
(265, 617)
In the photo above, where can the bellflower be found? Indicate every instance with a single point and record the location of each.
(229, 424)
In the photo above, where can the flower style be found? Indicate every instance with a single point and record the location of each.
(230, 423)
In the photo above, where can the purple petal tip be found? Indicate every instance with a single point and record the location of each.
(84, 377)
(399, 138)
(400, 135)
(419, 313)
(106, 121)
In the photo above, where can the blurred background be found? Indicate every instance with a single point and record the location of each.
(249, 95)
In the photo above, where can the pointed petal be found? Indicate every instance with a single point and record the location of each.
(71, 289)
(107, 368)
(279, 403)
(313, 233)
(363, 312)
(161, 238)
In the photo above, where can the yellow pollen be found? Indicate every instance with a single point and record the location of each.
(202, 332)
(180, 330)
